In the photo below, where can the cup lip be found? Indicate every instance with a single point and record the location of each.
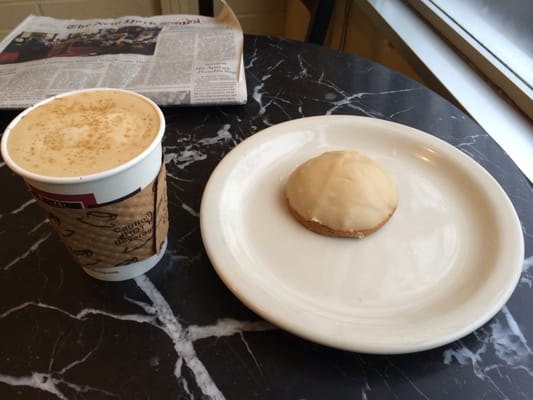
(79, 178)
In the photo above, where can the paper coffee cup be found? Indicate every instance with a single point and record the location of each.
(114, 221)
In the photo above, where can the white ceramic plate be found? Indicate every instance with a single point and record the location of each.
(445, 263)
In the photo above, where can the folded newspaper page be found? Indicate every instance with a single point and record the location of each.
(172, 59)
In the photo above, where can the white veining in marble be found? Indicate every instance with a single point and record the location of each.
(39, 225)
(191, 151)
(183, 337)
(185, 157)
(257, 95)
(253, 58)
(467, 145)
(23, 206)
(395, 114)
(409, 381)
(190, 210)
(527, 274)
(510, 343)
(41, 381)
(227, 327)
(302, 74)
(182, 343)
(30, 250)
(223, 135)
(339, 98)
(157, 314)
(502, 338)
(364, 390)
(52, 380)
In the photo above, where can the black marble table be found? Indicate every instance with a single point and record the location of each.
(178, 332)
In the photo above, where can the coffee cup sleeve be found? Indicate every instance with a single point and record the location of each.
(128, 230)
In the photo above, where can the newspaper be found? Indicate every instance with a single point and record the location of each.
(172, 59)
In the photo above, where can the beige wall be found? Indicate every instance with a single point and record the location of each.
(14, 11)
(260, 16)
(256, 17)
(353, 32)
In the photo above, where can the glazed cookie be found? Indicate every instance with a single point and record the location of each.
(341, 193)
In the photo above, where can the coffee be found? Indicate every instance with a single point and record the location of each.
(83, 133)
(66, 149)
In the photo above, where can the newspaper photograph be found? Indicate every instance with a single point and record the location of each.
(172, 59)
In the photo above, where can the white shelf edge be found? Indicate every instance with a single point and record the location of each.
(511, 129)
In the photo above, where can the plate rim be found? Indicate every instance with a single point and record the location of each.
(278, 320)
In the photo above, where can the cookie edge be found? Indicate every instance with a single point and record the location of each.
(322, 229)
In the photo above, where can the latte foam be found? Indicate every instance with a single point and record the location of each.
(83, 133)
